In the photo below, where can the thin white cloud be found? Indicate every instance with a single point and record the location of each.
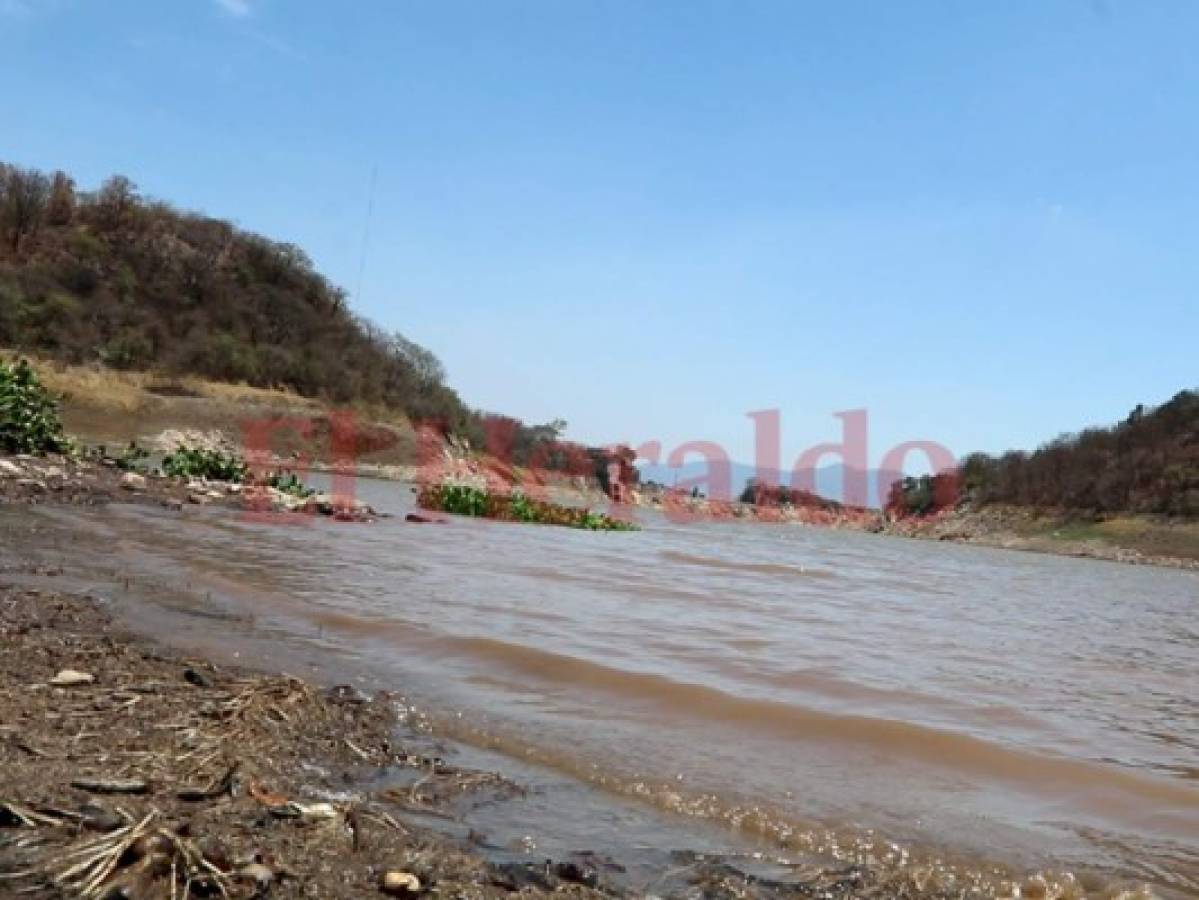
(238, 8)
(27, 9)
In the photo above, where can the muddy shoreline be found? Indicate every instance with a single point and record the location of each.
(243, 783)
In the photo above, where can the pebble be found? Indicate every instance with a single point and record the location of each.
(69, 677)
(196, 677)
(261, 876)
(99, 818)
(400, 884)
(131, 481)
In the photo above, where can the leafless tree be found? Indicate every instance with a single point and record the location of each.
(118, 195)
(61, 207)
(23, 199)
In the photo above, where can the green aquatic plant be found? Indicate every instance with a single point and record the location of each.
(522, 508)
(29, 420)
(515, 506)
(196, 462)
(289, 483)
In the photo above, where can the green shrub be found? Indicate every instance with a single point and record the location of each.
(464, 500)
(194, 462)
(28, 413)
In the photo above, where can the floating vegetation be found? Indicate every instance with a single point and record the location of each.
(465, 500)
(29, 420)
(197, 462)
(290, 484)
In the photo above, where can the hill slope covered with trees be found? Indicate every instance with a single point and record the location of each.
(1148, 463)
(116, 278)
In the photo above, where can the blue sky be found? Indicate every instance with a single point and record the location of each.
(975, 220)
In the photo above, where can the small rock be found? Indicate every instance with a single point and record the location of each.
(579, 874)
(9, 468)
(516, 876)
(111, 786)
(316, 812)
(196, 677)
(69, 677)
(100, 818)
(197, 498)
(257, 874)
(347, 693)
(131, 481)
(399, 884)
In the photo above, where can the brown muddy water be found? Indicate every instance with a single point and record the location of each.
(822, 695)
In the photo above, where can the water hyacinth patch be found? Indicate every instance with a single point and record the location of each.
(289, 483)
(196, 462)
(514, 506)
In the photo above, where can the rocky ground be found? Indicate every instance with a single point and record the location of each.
(95, 479)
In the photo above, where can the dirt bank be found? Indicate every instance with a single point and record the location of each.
(93, 480)
(1140, 540)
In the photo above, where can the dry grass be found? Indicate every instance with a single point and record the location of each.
(103, 388)
(1152, 536)
(106, 406)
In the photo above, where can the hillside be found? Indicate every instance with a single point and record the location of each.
(1146, 464)
(115, 279)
